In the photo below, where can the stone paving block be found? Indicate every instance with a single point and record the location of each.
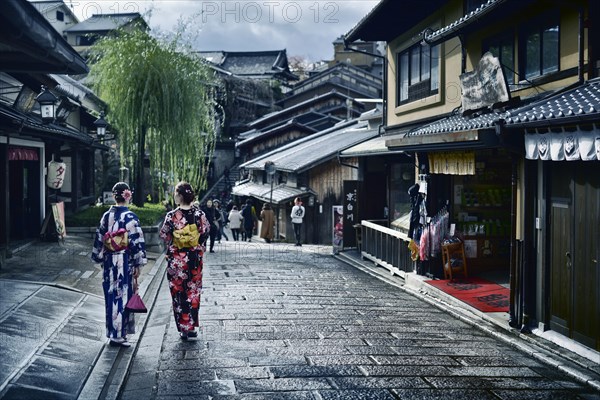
(327, 342)
(341, 360)
(242, 373)
(414, 360)
(297, 334)
(379, 382)
(74, 348)
(492, 371)
(282, 384)
(83, 327)
(446, 394)
(144, 363)
(209, 362)
(447, 351)
(494, 383)
(372, 350)
(543, 395)
(137, 394)
(310, 350)
(142, 380)
(277, 360)
(371, 394)
(14, 293)
(314, 371)
(54, 374)
(16, 392)
(194, 388)
(362, 335)
(199, 374)
(401, 370)
(269, 396)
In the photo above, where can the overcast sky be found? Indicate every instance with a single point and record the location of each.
(305, 28)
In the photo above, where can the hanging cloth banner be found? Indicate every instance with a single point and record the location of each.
(22, 154)
(452, 163)
(559, 146)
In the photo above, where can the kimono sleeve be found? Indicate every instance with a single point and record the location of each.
(166, 230)
(137, 245)
(98, 249)
(203, 228)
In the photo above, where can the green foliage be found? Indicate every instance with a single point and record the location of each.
(149, 215)
(161, 98)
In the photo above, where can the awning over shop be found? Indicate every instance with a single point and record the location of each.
(262, 192)
(372, 147)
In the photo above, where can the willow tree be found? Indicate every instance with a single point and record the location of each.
(161, 102)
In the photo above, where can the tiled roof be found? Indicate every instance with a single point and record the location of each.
(302, 154)
(281, 193)
(251, 63)
(289, 125)
(104, 22)
(570, 106)
(454, 27)
(582, 103)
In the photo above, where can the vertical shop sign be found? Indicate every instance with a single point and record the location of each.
(351, 218)
(337, 228)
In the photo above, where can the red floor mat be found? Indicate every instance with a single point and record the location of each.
(484, 295)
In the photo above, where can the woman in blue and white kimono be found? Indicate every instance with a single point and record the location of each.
(119, 246)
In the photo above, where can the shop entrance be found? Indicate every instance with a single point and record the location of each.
(24, 205)
(574, 252)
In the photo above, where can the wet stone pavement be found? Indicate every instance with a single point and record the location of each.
(52, 327)
(281, 322)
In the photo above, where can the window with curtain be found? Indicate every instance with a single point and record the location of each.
(418, 70)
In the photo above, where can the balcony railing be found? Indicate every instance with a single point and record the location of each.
(386, 247)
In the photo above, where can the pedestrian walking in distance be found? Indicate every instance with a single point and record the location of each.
(185, 231)
(222, 221)
(213, 219)
(297, 215)
(268, 221)
(235, 222)
(119, 246)
(250, 219)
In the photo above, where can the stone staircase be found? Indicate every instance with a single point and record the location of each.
(221, 190)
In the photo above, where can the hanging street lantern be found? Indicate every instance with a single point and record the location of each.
(101, 125)
(47, 101)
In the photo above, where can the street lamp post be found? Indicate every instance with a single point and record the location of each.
(271, 170)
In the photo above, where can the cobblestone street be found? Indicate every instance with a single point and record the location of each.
(281, 322)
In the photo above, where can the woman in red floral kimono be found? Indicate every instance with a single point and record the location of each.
(184, 231)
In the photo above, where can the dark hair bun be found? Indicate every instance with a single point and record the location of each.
(186, 192)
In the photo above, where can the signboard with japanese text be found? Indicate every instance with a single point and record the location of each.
(485, 85)
(351, 217)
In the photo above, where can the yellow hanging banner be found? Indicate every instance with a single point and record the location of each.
(462, 163)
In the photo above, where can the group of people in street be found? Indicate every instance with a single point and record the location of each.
(120, 247)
